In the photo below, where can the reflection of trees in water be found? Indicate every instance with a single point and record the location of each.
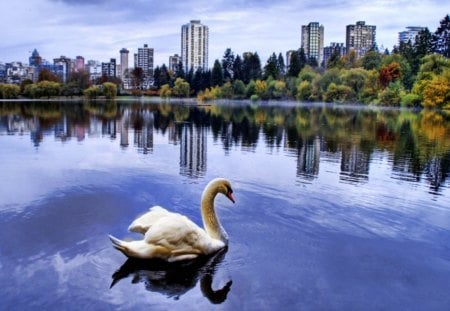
(418, 143)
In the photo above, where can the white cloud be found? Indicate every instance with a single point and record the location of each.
(99, 29)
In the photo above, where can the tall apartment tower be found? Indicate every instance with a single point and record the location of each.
(312, 41)
(194, 45)
(79, 63)
(174, 61)
(360, 38)
(409, 34)
(123, 62)
(144, 60)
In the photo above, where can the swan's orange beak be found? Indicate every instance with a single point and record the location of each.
(230, 196)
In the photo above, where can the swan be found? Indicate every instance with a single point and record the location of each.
(172, 236)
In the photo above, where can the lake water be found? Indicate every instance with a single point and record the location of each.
(337, 208)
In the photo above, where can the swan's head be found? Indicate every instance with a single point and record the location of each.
(223, 186)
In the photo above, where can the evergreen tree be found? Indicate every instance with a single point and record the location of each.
(271, 68)
(217, 74)
(251, 67)
(302, 58)
(294, 65)
(227, 65)
(423, 44)
(156, 77)
(441, 38)
(179, 73)
(281, 66)
(190, 76)
(197, 84)
(237, 68)
(164, 77)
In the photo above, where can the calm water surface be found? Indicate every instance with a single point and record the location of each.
(337, 208)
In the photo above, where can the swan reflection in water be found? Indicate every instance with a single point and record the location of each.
(176, 279)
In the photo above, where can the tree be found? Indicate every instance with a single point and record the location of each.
(227, 65)
(437, 92)
(371, 60)
(237, 68)
(47, 75)
(389, 73)
(441, 38)
(251, 67)
(239, 89)
(281, 65)
(92, 92)
(137, 75)
(165, 91)
(294, 65)
(181, 88)
(110, 90)
(217, 74)
(271, 69)
(79, 80)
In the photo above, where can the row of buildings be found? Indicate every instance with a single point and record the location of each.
(194, 54)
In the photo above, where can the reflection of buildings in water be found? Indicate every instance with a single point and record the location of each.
(109, 128)
(15, 124)
(354, 164)
(437, 171)
(64, 129)
(143, 136)
(123, 125)
(193, 142)
(227, 137)
(308, 158)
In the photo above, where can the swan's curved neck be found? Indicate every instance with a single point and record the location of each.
(211, 223)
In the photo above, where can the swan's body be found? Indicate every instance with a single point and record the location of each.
(173, 237)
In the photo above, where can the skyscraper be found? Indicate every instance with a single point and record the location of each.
(174, 62)
(360, 38)
(144, 60)
(35, 59)
(409, 34)
(79, 63)
(194, 45)
(123, 62)
(312, 41)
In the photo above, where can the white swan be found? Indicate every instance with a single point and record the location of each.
(173, 237)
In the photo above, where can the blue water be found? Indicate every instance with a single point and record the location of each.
(337, 208)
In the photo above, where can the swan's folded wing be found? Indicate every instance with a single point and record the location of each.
(179, 235)
(145, 221)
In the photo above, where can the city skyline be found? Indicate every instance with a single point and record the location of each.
(100, 29)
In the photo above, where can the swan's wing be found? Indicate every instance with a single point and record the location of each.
(180, 238)
(145, 221)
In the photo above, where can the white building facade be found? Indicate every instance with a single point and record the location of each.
(194, 45)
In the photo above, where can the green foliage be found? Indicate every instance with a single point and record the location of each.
(9, 91)
(92, 92)
(304, 90)
(339, 93)
(239, 89)
(109, 90)
(411, 100)
(392, 95)
(251, 86)
(217, 74)
(371, 60)
(165, 91)
(181, 88)
(227, 90)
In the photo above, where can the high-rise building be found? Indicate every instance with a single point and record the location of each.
(409, 34)
(144, 60)
(123, 62)
(174, 62)
(35, 59)
(333, 48)
(360, 38)
(312, 41)
(66, 64)
(194, 45)
(79, 63)
(109, 69)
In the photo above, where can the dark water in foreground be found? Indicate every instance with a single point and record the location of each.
(336, 208)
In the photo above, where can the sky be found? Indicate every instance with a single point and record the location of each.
(98, 29)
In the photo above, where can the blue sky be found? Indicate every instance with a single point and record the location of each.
(98, 29)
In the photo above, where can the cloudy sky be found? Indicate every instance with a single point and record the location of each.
(98, 29)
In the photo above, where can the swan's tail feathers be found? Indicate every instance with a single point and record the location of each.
(119, 245)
